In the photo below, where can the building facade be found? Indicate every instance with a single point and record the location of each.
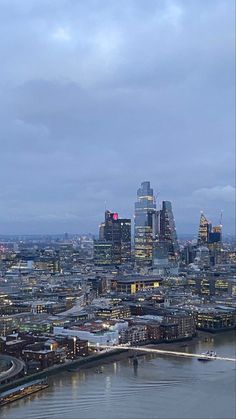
(145, 209)
(204, 230)
(114, 244)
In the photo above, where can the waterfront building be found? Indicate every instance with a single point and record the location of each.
(216, 319)
(134, 335)
(94, 334)
(76, 347)
(144, 229)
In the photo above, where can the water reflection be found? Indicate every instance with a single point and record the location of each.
(135, 367)
(173, 387)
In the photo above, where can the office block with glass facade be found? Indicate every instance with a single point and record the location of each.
(168, 235)
(145, 208)
(117, 233)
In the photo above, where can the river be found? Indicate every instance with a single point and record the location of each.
(163, 387)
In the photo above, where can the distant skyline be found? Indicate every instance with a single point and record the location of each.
(98, 96)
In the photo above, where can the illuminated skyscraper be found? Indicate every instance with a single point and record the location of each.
(144, 231)
(168, 234)
(117, 232)
(211, 237)
(204, 230)
(215, 244)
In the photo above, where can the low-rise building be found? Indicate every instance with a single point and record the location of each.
(134, 335)
(131, 284)
(95, 335)
(215, 319)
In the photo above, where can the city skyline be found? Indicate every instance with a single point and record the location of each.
(117, 209)
(100, 95)
(192, 228)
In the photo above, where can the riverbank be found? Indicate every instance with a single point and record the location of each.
(105, 357)
(161, 385)
(91, 360)
(184, 343)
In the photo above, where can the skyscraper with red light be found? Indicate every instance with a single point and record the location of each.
(117, 232)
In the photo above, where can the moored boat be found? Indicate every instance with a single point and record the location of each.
(22, 391)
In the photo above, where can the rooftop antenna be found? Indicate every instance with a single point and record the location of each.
(221, 217)
(156, 195)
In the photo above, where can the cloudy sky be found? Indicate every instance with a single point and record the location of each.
(99, 95)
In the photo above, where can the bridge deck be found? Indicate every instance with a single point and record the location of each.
(167, 352)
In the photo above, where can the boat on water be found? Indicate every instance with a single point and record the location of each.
(99, 371)
(207, 356)
(22, 391)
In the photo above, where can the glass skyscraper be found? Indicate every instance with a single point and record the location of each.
(117, 232)
(145, 210)
(168, 233)
(204, 230)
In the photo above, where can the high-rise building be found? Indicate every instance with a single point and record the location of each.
(204, 230)
(215, 244)
(168, 234)
(117, 232)
(210, 237)
(215, 236)
(102, 251)
(144, 230)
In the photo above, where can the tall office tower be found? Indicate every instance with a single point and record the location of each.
(204, 230)
(215, 244)
(102, 251)
(101, 231)
(125, 236)
(144, 229)
(168, 234)
(117, 232)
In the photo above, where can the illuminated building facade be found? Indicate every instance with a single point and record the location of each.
(204, 230)
(212, 237)
(102, 252)
(115, 238)
(216, 319)
(145, 209)
(132, 284)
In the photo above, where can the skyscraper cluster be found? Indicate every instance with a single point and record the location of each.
(210, 237)
(155, 232)
(155, 235)
(114, 244)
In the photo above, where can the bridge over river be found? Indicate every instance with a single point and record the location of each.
(167, 352)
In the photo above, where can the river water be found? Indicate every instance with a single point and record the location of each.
(162, 387)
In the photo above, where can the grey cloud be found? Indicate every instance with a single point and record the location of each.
(97, 96)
